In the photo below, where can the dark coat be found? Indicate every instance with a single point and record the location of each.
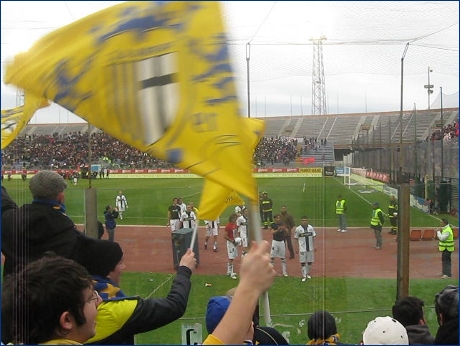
(31, 230)
(148, 314)
(447, 333)
(110, 216)
(419, 335)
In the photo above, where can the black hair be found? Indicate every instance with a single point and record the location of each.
(321, 325)
(34, 299)
(408, 311)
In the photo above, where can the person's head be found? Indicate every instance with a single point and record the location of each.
(264, 194)
(174, 201)
(245, 211)
(120, 193)
(321, 325)
(215, 311)
(375, 205)
(48, 185)
(304, 221)
(392, 198)
(385, 331)
(283, 209)
(446, 304)
(444, 222)
(409, 311)
(179, 200)
(189, 207)
(108, 208)
(50, 298)
(277, 218)
(103, 258)
(339, 197)
(232, 218)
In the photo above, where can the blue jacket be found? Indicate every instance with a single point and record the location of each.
(110, 217)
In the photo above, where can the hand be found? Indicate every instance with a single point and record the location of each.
(188, 259)
(256, 272)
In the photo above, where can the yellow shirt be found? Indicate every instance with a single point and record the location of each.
(61, 342)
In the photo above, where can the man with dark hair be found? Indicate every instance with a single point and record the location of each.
(289, 222)
(322, 329)
(446, 307)
(409, 312)
(121, 317)
(31, 230)
(52, 301)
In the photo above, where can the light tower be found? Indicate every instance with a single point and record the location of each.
(318, 82)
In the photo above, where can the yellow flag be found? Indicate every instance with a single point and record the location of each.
(215, 198)
(14, 120)
(155, 75)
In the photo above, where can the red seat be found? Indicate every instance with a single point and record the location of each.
(428, 234)
(415, 234)
(455, 231)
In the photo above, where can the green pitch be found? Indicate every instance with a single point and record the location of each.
(149, 199)
(353, 301)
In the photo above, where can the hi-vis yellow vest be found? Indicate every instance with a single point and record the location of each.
(375, 221)
(339, 206)
(447, 244)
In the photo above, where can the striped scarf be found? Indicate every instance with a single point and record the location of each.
(332, 340)
(107, 289)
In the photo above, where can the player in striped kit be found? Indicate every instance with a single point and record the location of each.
(212, 229)
(242, 223)
(305, 235)
(188, 218)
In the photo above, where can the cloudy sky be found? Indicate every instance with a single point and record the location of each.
(362, 52)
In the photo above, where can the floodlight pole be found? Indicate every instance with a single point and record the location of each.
(248, 57)
(400, 178)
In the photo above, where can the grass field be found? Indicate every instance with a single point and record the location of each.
(149, 199)
(353, 301)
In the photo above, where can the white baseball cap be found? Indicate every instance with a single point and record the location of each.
(385, 331)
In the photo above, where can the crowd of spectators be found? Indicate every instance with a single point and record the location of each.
(446, 133)
(70, 151)
(279, 149)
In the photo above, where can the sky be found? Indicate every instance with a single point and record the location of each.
(272, 42)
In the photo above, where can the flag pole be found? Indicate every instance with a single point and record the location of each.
(256, 227)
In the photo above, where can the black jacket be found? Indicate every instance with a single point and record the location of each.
(119, 320)
(419, 335)
(31, 230)
(447, 333)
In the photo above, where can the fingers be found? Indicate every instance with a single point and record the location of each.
(188, 259)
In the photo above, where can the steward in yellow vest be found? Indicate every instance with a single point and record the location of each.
(446, 245)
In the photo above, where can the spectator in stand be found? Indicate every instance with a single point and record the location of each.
(31, 230)
(385, 331)
(120, 317)
(409, 312)
(446, 307)
(322, 329)
(50, 301)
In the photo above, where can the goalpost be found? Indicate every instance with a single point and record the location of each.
(347, 177)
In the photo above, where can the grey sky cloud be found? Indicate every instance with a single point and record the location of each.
(361, 55)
